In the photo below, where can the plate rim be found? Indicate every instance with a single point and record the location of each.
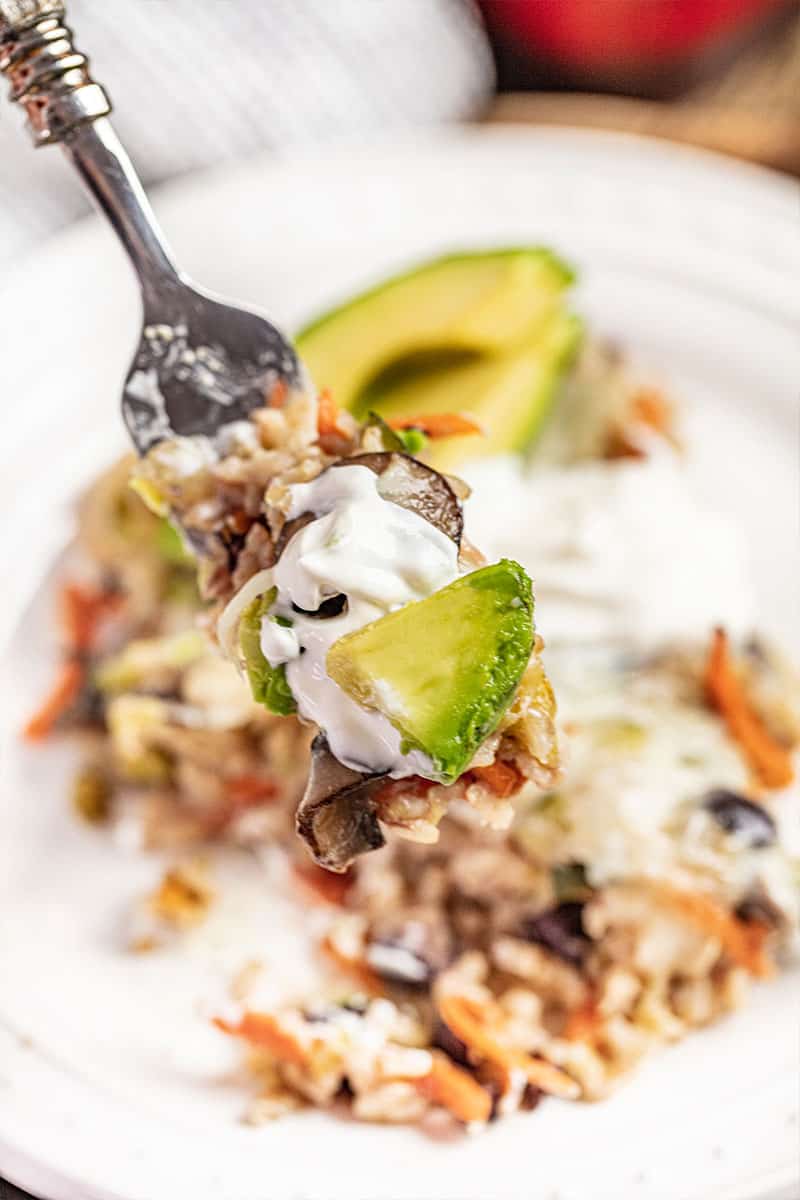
(784, 188)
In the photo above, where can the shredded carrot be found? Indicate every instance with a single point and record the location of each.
(652, 408)
(329, 886)
(244, 791)
(360, 970)
(82, 610)
(64, 693)
(547, 1078)
(648, 408)
(500, 777)
(327, 414)
(278, 394)
(583, 1024)
(769, 761)
(262, 1029)
(743, 941)
(468, 1019)
(438, 425)
(456, 1090)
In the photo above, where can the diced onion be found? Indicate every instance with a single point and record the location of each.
(228, 624)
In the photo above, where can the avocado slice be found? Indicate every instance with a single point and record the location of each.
(482, 302)
(268, 684)
(171, 545)
(510, 395)
(444, 669)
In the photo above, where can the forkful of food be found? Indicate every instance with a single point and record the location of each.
(334, 561)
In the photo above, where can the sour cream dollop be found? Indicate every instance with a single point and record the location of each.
(380, 557)
(621, 551)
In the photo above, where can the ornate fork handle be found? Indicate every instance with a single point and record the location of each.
(51, 80)
(48, 76)
(229, 356)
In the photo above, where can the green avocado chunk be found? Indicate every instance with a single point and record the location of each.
(268, 684)
(171, 545)
(145, 659)
(444, 669)
(483, 302)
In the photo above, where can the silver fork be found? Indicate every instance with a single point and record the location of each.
(201, 361)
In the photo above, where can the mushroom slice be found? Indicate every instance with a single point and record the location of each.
(337, 817)
(289, 530)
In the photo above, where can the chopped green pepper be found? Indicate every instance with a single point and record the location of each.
(268, 684)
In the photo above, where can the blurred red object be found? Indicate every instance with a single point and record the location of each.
(624, 44)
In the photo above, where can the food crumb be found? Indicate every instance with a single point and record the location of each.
(143, 945)
(180, 902)
(269, 1106)
(91, 796)
(184, 895)
(246, 980)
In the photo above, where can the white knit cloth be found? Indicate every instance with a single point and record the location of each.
(195, 82)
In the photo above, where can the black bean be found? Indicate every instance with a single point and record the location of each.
(398, 963)
(444, 1039)
(758, 907)
(334, 606)
(410, 948)
(317, 1016)
(329, 1012)
(559, 930)
(530, 1098)
(737, 815)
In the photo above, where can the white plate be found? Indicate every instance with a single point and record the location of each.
(111, 1082)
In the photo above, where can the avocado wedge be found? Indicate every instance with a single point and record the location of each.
(510, 395)
(484, 302)
(444, 669)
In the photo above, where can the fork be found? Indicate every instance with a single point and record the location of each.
(202, 361)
